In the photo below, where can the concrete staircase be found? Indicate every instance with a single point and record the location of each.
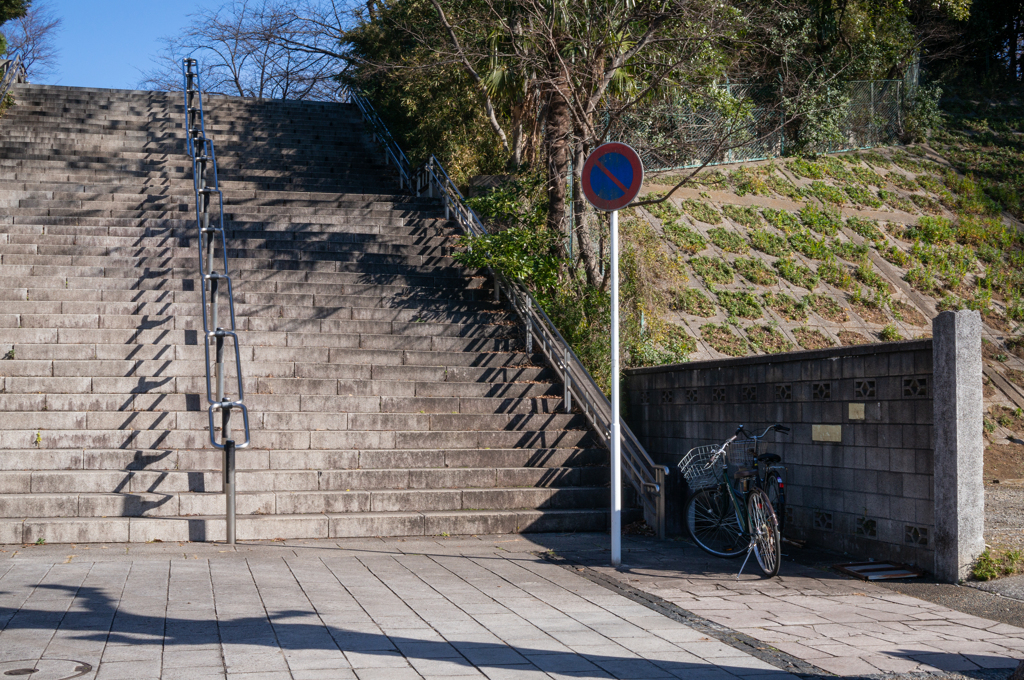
(388, 395)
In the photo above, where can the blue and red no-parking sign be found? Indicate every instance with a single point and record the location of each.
(612, 176)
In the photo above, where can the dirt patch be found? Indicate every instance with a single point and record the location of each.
(909, 313)
(996, 321)
(849, 338)
(1014, 376)
(992, 351)
(870, 314)
(768, 339)
(810, 338)
(1004, 462)
(829, 309)
(724, 340)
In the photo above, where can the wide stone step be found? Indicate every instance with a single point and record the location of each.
(327, 525)
(300, 439)
(159, 339)
(337, 490)
(38, 459)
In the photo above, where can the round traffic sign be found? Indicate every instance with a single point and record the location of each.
(612, 176)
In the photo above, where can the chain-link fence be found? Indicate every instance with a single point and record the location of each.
(675, 137)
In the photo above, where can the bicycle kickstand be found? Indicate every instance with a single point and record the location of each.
(746, 559)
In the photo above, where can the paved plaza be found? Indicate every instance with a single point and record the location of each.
(491, 606)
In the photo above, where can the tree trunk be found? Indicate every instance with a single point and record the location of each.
(581, 212)
(558, 129)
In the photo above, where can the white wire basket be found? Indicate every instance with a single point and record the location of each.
(702, 466)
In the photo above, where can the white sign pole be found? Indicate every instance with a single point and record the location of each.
(614, 434)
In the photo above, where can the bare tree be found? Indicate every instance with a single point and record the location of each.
(257, 48)
(35, 36)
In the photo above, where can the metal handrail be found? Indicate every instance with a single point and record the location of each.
(13, 72)
(646, 477)
(211, 236)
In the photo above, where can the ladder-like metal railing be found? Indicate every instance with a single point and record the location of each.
(646, 477)
(214, 284)
(13, 72)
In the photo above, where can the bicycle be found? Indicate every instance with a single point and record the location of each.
(725, 519)
(768, 467)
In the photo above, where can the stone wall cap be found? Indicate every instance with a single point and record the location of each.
(785, 357)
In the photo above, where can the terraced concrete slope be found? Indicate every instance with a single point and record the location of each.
(389, 396)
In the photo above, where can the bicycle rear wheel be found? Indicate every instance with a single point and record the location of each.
(712, 522)
(776, 492)
(764, 527)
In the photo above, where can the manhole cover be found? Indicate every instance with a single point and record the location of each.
(44, 669)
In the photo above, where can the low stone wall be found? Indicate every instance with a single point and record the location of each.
(861, 457)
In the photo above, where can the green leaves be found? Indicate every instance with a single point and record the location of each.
(520, 253)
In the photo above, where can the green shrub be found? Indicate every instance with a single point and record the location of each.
(805, 168)
(728, 240)
(865, 227)
(781, 219)
(902, 181)
(713, 179)
(692, 301)
(868, 177)
(747, 216)
(686, 239)
(985, 568)
(749, 182)
(926, 204)
(755, 271)
(895, 201)
(932, 230)
(783, 186)
(895, 255)
(804, 243)
(932, 183)
(825, 193)
(835, 273)
(876, 159)
(890, 334)
(712, 269)
(821, 220)
(869, 277)
(790, 308)
(850, 251)
(701, 212)
(862, 196)
(770, 243)
(724, 340)
(796, 274)
(921, 278)
(835, 169)
(769, 340)
(739, 303)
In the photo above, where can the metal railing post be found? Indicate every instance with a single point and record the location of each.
(659, 477)
(566, 381)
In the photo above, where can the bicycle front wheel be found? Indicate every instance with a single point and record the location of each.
(776, 492)
(712, 522)
(764, 527)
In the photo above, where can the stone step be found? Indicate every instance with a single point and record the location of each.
(36, 459)
(342, 487)
(297, 439)
(327, 525)
(152, 342)
(247, 315)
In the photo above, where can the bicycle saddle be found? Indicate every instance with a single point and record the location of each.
(769, 458)
(743, 473)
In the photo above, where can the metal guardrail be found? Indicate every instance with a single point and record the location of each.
(13, 72)
(646, 477)
(210, 223)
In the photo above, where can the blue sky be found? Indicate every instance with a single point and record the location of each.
(108, 43)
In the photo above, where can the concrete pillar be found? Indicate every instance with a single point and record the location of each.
(959, 444)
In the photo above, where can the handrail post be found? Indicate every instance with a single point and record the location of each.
(529, 325)
(659, 478)
(566, 381)
(213, 284)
